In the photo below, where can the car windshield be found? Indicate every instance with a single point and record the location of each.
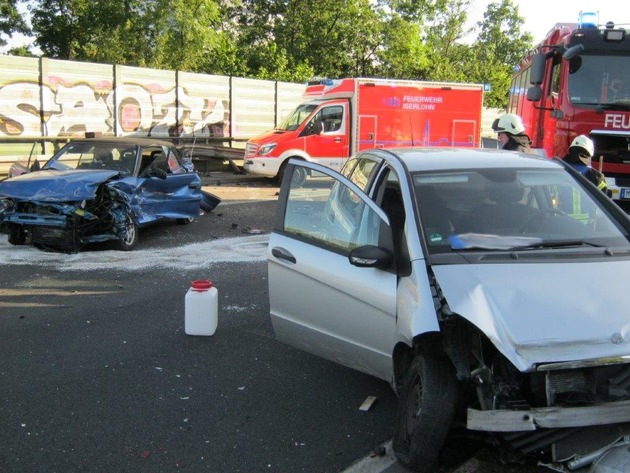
(508, 209)
(90, 155)
(297, 117)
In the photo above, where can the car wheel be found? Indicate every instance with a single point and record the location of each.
(128, 234)
(17, 235)
(426, 408)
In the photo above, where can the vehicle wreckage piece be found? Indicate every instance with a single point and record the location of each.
(96, 190)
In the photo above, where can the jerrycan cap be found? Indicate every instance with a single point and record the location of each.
(201, 285)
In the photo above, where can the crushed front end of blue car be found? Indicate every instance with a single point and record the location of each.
(65, 210)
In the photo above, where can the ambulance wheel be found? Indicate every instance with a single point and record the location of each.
(299, 175)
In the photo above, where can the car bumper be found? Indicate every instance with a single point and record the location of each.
(548, 417)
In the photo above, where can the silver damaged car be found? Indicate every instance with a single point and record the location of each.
(488, 287)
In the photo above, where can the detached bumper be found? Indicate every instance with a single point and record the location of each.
(548, 417)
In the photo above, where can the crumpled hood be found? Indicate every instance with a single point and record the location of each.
(50, 185)
(542, 313)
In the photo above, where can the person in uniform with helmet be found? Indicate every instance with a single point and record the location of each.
(579, 157)
(511, 133)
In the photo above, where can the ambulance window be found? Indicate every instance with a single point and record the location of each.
(332, 118)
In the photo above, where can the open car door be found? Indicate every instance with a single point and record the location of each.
(332, 284)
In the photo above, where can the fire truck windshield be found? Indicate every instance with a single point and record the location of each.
(297, 117)
(600, 80)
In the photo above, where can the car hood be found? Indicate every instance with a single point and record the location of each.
(275, 136)
(543, 313)
(50, 185)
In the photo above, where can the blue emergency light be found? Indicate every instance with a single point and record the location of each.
(588, 19)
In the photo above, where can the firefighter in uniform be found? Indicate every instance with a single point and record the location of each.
(579, 157)
(511, 133)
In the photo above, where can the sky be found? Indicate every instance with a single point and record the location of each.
(541, 15)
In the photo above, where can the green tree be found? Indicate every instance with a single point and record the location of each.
(11, 20)
(93, 30)
(403, 54)
(499, 48)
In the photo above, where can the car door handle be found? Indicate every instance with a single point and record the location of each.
(281, 253)
(337, 140)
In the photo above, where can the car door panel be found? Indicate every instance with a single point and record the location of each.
(319, 302)
(175, 196)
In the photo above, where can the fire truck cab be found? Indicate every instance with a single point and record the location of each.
(578, 83)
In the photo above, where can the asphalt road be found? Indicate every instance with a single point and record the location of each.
(98, 375)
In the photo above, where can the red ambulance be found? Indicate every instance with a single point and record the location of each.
(341, 117)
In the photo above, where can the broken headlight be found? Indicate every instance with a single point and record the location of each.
(6, 205)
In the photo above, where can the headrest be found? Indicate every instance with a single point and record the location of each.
(505, 192)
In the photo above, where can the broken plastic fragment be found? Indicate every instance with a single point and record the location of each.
(367, 404)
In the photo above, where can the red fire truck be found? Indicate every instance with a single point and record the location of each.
(341, 117)
(577, 82)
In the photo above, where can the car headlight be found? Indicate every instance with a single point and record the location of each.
(266, 149)
(6, 205)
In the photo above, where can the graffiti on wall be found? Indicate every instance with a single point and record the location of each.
(128, 109)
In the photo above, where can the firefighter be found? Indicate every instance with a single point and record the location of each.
(579, 157)
(511, 133)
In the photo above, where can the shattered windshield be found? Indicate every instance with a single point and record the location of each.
(599, 80)
(508, 209)
(297, 117)
(89, 155)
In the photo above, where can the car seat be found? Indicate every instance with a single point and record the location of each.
(506, 214)
(103, 158)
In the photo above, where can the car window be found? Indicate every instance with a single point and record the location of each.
(330, 214)
(91, 155)
(156, 157)
(546, 205)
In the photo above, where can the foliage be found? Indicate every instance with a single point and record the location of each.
(11, 21)
(287, 40)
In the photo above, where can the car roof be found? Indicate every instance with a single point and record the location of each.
(125, 140)
(432, 159)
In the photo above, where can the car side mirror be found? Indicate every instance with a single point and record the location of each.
(157, 172)
(370, 256)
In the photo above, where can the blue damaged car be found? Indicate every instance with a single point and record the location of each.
(100, 189)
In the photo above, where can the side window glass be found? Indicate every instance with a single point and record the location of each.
(329, 214)
(332, 118)
(362, 173)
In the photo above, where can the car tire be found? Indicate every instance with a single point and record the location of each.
(426, 408)
(17, 235)
(129, 236)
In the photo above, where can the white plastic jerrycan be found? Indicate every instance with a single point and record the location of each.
(201, 308)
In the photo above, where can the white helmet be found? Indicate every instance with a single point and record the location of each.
(585, 143)
(509, 123)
